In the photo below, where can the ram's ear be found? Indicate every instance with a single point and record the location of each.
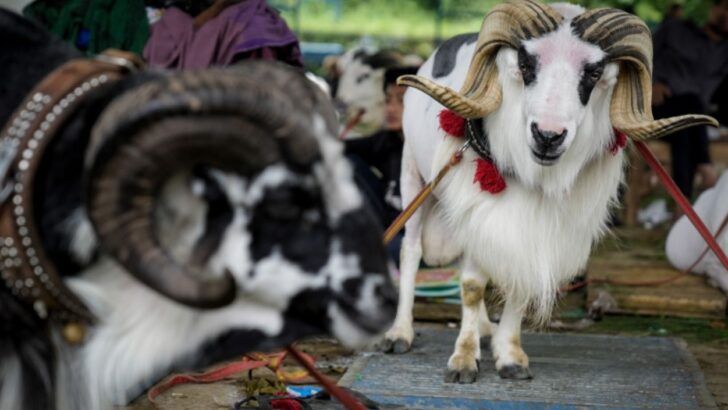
(507, 60)
(609, 77)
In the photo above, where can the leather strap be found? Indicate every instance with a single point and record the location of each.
(479, 139)
(26, 269)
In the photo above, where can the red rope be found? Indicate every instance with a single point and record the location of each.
(347, 400)
(212, 376)
(681, 201)
(225, 372)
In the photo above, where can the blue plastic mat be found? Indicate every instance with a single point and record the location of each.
(570, 372)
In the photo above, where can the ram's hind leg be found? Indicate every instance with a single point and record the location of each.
(463, 365)
(510, 359)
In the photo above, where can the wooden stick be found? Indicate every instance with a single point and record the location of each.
(403, 217)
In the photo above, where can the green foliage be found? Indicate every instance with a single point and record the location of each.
(652, 11)
(394, 19)
(394, 22)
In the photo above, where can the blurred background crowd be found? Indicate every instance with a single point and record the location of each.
(355, 50)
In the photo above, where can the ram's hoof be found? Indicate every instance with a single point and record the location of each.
(514, 371)
(384, 345)
(397, 346)
(464, 376)
(401, 346)
(460, 369)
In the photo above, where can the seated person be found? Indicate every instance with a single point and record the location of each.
(685, 246)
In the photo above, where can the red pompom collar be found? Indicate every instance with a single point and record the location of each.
(488, 176)
(452, 123)
(619, 142)
(486, 172)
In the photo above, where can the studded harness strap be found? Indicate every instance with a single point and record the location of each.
(26, 269)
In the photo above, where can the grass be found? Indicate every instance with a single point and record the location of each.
(383, 19)
(692, 330)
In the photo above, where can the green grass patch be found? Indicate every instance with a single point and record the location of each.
(692, 330)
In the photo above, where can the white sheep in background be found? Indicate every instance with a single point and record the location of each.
(684, 246)
(550, 84)
(361, 87)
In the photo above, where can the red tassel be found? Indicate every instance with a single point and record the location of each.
(452, 123)
(619, 142)
(285, 404)
(489, 177)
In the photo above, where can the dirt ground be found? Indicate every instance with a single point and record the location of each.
(706, 337)
(714, 362)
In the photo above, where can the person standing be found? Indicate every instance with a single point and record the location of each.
(689, 65)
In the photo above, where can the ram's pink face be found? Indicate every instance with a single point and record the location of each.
(559, 73)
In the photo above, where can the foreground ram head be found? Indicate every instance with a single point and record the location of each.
(211, 185)
(224, 190)
(216, 216)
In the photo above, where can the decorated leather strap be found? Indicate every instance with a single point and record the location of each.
(26, 269)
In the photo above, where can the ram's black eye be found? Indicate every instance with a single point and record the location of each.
(593, 71)
(589, 78)
(527, 64)
(362, 78)
(595, 75)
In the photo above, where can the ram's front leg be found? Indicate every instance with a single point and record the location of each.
(510, 359)
(463, 364)
(399, 338)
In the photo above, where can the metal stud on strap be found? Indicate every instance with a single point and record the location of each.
(8, 150)
(116, 59)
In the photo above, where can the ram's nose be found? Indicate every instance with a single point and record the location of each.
(548, 139)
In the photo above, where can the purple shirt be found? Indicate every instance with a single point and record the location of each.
(247, 29)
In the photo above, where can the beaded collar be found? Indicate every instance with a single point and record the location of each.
(25, 268)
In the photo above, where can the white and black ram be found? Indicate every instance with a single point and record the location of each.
(196, 215)
(543, 89)
(360, 88)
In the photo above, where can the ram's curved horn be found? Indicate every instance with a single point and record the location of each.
(507, 24)
(233, 119)
(627, 40)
